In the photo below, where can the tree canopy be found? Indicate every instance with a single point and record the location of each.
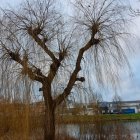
(43, 44)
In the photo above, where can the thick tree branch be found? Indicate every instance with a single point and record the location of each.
(53, 70)
(33, 74)
(56, 62)
(34, 34)
(55, 66)
(73, 77)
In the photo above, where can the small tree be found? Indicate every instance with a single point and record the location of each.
(117, 101)
(95, 102)
(52, 53)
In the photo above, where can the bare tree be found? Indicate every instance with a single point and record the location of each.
(117, 102)
(52, 53)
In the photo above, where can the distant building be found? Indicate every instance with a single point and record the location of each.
(127, 107)
(71, 108)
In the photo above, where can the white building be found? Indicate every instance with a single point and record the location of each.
(124, 105)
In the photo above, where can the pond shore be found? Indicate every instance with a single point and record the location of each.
(95, 118)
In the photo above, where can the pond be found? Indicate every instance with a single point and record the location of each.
(102, 131)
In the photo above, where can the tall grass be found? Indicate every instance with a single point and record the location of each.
(24, 120)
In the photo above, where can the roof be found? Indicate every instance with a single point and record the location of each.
(136, 101)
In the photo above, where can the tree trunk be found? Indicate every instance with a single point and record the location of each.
(49, 124)
(49, 121)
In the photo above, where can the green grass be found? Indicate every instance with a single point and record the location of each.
(94, 118)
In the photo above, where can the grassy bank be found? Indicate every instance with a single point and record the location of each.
(93, 118)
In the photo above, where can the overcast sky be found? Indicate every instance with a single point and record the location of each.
(130, 87)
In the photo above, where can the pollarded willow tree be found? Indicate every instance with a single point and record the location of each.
(55, 53)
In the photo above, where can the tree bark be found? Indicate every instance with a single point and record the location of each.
(49, 124)
(49, 120)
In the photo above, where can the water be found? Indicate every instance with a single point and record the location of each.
(103, 131)
(134, 128)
